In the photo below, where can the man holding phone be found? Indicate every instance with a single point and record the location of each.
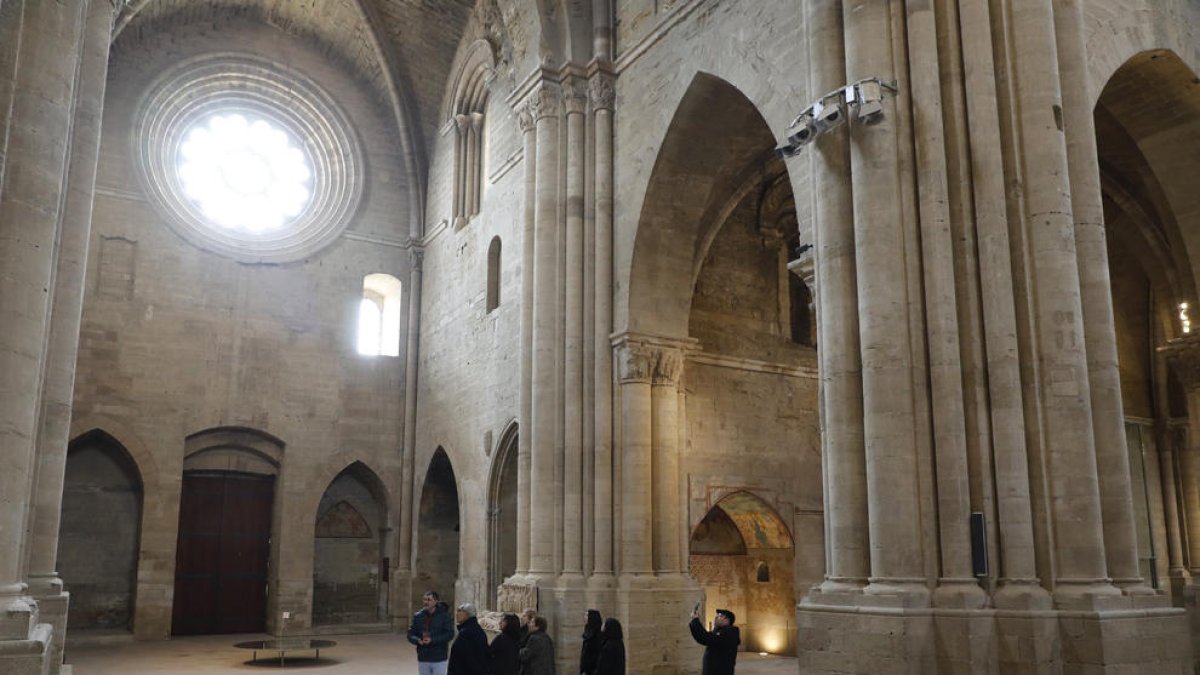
(431, 631)
(720, 644)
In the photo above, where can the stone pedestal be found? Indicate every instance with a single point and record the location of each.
(654, 611)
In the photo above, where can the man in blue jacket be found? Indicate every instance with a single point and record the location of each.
(431, 631)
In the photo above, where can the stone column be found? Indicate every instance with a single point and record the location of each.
(1018, 582)
(524, 443)
(843, 456)
(409, 507)
(956, 586)
(458, 198)
(1099, 330)
(664, 422)
(889, 423)
(600, 89)
(1073, 484)
(1183, 354)
(576, 105)
(39, 100)
(635, 362)
(544, 105)
(54, 432)
(474, 164)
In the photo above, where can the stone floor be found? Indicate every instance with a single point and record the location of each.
(358, 654)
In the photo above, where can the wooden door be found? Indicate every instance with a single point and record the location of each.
(221, 558)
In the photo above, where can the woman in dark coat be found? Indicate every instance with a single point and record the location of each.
(505, 646)
(612, 652)
(589, 651)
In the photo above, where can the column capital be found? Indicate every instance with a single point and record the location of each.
(804, 266)
(651, 359)
(575, 99)
(462, 122)
(416, 258)
(1183, 353)
(602, 92)
(544, 101)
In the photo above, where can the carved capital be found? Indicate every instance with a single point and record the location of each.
(476, 121)
(544, 102)
(462, 122)
(524, 119)
(601, 91)
(575, 100)
(668, 367)
(804, 266)
(635, 362)
(416, 258)
(651, 360)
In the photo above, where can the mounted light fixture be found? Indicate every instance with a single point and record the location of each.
(861, 100)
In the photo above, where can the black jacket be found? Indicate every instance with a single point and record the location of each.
(504, 656)
(720, 647)
(589, 653)
(441, 632)
(469, 655)
(612, 658)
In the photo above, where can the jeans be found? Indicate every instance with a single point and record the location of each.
(431, 667)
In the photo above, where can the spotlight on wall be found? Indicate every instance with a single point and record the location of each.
(829, 113)
(1185, 322)
(867, 101)
(862, 100)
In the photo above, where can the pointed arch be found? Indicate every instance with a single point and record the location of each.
(437, 526)
(742, 554)
(721, 147)
(502, 510)
(98, 558)
(350, 544)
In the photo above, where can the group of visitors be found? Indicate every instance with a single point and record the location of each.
(523, 646)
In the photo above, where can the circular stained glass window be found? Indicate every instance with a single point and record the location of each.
(244, 174)
(248, 159)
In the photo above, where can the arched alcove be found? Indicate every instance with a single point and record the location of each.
(742, 553)
(502, 512)
(98, 557)
(349, 544)
(437, 528)
(1152, 219)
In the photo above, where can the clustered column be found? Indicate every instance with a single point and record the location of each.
(42, 49)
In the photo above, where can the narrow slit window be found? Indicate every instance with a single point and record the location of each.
(379, 316)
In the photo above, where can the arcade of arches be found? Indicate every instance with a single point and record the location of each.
(521, 304)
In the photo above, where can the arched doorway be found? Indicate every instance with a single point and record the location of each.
(348, 550)
(1152, 217)
(437, 529)
(98, 557)
(742, 555)
(225, 532)
(502, 513)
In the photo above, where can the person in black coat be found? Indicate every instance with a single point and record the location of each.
(720, 644)
(469, 655)
(505, 647)
(611, 660)
(589, 651)
(537, 656)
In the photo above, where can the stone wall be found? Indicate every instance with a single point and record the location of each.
(98, 555)
(176, 340)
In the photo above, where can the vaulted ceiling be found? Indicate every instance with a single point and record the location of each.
(402, 50)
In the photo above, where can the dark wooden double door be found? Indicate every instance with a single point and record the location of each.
(222, 557)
